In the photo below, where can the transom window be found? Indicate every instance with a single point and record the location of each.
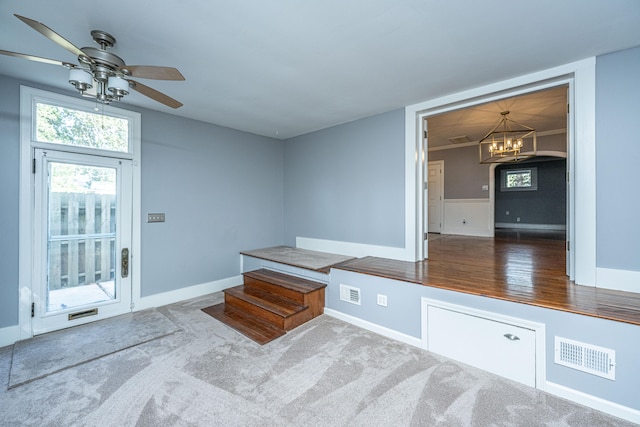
(68, 126)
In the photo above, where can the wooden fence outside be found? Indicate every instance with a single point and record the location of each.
(81, 239)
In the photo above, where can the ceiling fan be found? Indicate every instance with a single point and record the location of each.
(106, 70)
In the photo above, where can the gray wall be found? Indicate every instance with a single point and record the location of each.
(222, 191)
(346, 183)
(545, 206)
(617, 154)
(9, 198)
(464, 176)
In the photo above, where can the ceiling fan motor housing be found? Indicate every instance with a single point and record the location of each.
(105, 63)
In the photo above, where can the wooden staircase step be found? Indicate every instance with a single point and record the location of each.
(249, 326)
(303, 291)
(281, 312)
(297, 284)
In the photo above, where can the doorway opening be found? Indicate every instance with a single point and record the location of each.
(471, 191)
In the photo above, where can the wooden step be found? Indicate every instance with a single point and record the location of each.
(251, 327)
(306, 292)
(281, 312)
(286, 281)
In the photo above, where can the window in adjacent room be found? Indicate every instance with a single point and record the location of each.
(519, 179)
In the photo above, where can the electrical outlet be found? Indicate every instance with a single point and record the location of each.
(507, 213)
(382, 300)
(518, 219)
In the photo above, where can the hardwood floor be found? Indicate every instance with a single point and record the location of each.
(528, 271)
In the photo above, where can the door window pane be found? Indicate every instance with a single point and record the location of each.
(81, 243)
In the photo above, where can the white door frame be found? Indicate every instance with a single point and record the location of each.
(580, 76)
(28, 96)
(441, 185)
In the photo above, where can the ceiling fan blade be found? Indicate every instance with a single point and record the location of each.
(37, 58)
(53, 36)
(152, 72)
(154, 94)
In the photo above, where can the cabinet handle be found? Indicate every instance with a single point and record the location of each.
(511, 337)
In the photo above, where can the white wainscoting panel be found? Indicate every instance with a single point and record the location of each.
(467, 217)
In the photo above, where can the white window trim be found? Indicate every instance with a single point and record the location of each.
(28, 96)
(581, 77)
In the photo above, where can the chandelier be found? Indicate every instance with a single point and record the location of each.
(506, 142)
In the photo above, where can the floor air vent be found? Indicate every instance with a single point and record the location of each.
(350, 294)
(585, 357)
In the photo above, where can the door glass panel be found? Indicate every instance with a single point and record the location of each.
(68, 126)
(81, 240)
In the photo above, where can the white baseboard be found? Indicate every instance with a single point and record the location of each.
(619, 280)
(458, 231)
(521, 226)
(380, 330)
(182, 294)
(358, 250)
(9, 335)
(597, 403)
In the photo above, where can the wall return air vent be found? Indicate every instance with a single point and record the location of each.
(585, 357)
(350, 294)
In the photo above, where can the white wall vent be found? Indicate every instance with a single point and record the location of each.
(585, 357)
(350, 294)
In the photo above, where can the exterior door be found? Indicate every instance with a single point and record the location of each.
(434, 211)
(82, 236)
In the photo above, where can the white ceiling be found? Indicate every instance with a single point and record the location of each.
(543, 111)
(287, 67)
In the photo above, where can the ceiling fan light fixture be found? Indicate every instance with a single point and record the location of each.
(118, 86)
(81, 79)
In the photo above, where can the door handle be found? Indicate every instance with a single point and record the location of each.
(124, 263)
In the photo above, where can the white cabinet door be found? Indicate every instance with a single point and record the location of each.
(497, 347)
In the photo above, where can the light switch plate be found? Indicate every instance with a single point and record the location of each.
(155, 217)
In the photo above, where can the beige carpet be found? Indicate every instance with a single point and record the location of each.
(324, 373)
